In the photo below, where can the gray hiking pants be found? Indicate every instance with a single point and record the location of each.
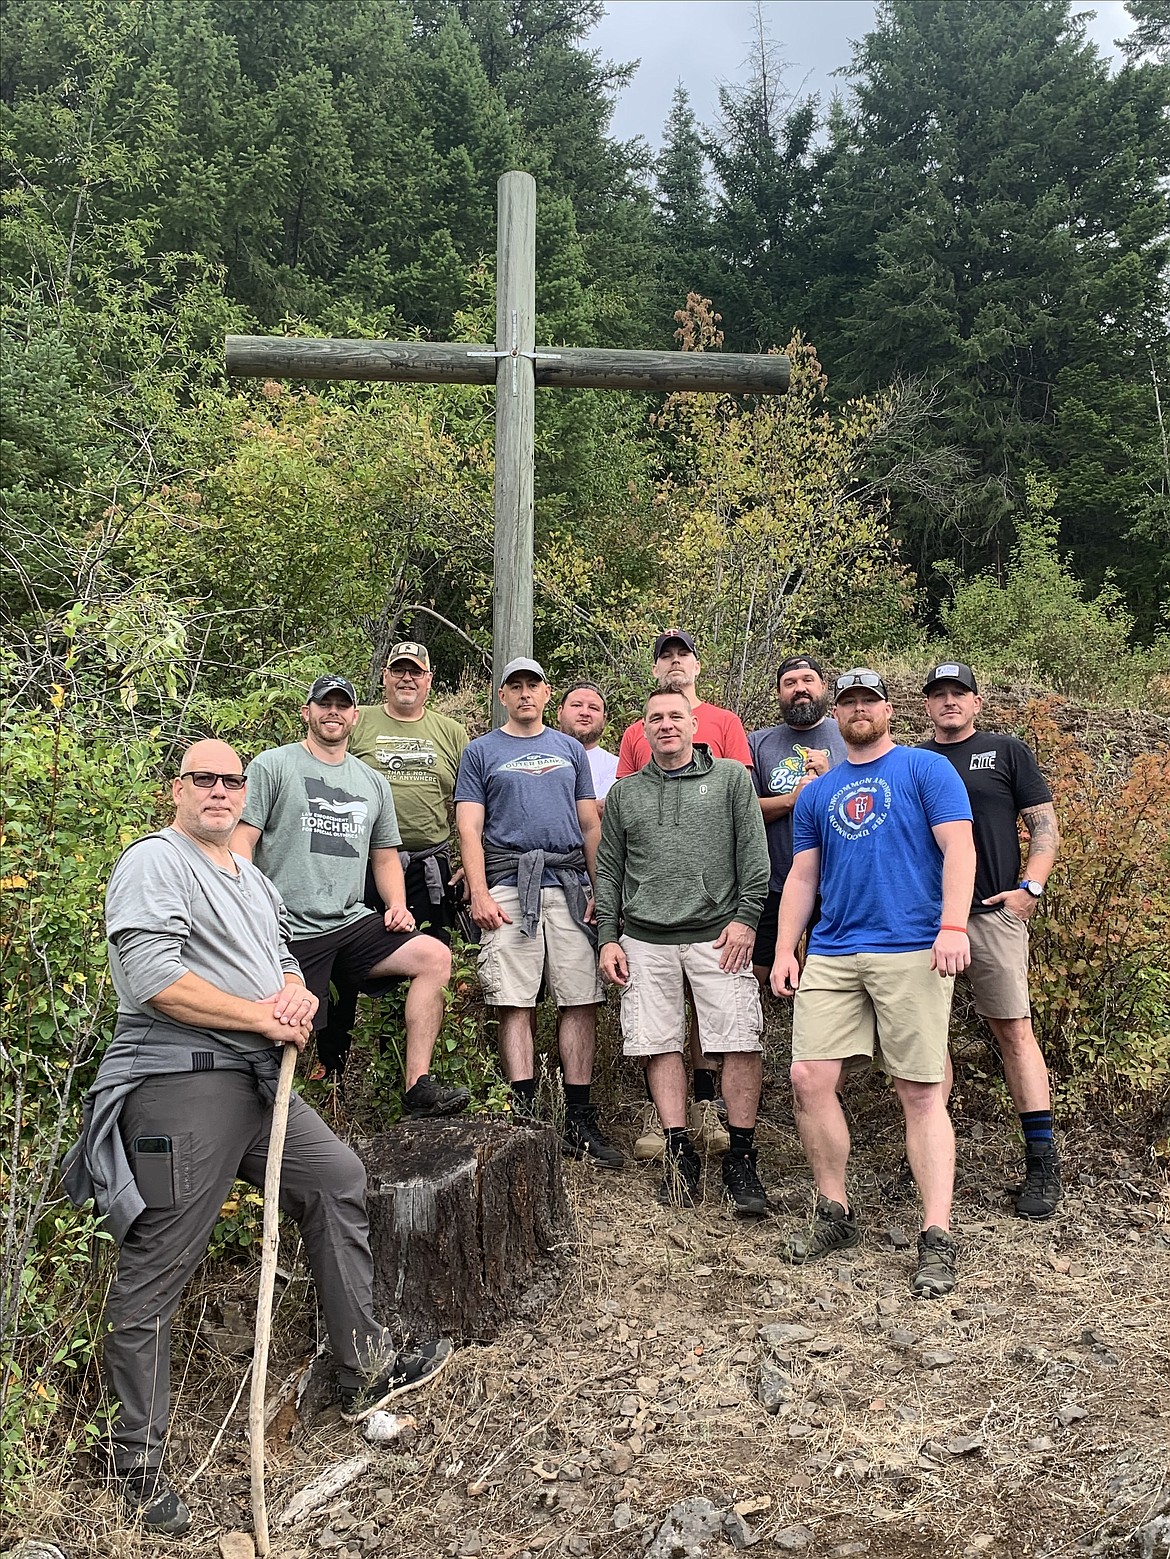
(219, 1127)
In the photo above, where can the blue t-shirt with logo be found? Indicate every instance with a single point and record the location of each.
(529, 787)
(881, 870)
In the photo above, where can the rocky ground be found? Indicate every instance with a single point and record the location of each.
(688, 1392)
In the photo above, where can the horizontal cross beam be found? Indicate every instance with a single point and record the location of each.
(568, 367)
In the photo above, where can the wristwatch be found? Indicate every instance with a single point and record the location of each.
(1036, 889)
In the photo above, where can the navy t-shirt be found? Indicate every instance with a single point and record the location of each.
(529, 787)
(777, 767)
(1002, 779)
(881, 870)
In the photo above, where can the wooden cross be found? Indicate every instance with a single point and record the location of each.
(515, 365)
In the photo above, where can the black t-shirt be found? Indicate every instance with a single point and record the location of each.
(1002, 779)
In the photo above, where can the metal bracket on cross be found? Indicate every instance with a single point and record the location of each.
(515, 352)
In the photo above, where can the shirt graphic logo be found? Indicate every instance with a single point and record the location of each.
(860, 807)
(335, 820)
(981, 760)
(404, 758)
(535, 763)
(783, 779)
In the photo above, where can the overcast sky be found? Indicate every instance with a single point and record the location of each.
(704, 42)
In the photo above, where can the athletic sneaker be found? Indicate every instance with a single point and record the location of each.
(408, 1371)
(680, 1184)
(650, 1143)
(745, 1190)
(938, 1257)
(834, 1228)
(708, 1132)
(428, 1098)
(151, 1497)
(584, 1139)
(1039, 1196)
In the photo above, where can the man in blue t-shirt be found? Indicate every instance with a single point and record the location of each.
(528, 835)
(886, 838)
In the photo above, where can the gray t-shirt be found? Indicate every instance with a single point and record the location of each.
(170, 911)
(529, 787)
(318, 823)
(777, 764)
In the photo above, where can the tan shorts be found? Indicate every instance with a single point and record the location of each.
(654, 1023)
(999, 964)
(511, 965)
(846, 1003)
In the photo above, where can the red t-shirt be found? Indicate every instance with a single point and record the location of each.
(722, 731)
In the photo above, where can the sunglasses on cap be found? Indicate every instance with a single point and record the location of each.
(869, 679)
(203, 779)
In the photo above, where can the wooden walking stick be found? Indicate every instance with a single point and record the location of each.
(270, 1244)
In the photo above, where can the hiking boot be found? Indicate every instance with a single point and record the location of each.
(834, 1228)
(428, 1098)
(406, 1372)
(151, 1497)
(707, 1131)
(1039, 1196)
(680, 1184)
(938, 1257)
(584, 1139)
(650, 1143)
(745, 1190)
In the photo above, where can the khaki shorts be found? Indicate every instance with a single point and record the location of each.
(727, 1006)
(849, 1005)
(999, 964)
(511, 965)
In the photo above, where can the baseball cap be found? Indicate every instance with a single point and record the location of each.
(326, 685)
(860, 676)
(412, 650)
(951, 671)
(522, 663)
(796, 662)
(680, 634)
(584, 685)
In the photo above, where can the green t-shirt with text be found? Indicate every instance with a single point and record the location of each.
(420, 759)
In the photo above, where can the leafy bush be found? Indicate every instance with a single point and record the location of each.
(1101, 949)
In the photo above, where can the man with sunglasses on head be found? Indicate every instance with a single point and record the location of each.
(314, 818)
(886, 838)
(208, 993)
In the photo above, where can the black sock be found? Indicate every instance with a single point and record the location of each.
(705, 1078)
(525, 1089)
(576, 1098)
(678, 1140)
(741, 1138)
(1037, 1127)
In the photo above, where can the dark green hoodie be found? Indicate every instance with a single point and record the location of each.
(681, 857)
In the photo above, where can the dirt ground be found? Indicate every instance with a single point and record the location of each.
(1028, 1414)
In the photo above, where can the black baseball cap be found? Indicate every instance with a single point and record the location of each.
(680, 634)
(797, 663)
(326, 685)
(860, 676)
(951, 671)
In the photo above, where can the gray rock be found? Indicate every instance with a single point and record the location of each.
(794, 1538)
(781, 1333)
(1070, 1413)
(774, 1389)
(33, 1548)
(622, 1516)
(688, 1525)
(937, 1359)
(738, 1531)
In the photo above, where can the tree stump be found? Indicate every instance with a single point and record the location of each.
(469, 1225)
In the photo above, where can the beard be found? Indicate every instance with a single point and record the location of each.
(870, 729)
(802, 710)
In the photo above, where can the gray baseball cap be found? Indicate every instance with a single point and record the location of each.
(522, 663)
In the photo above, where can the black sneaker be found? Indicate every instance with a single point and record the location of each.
(834, 1228)
(151, 1497)
(584, 1139)
(938, 1257)
(429, 1098)
(745, 1190)
(407, 1371)
(1039, 1196)
(680, 1184)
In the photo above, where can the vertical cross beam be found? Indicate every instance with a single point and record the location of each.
(515, 417)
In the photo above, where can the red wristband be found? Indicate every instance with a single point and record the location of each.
(961, 929)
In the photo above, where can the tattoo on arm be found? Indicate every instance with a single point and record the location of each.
(1040, 822)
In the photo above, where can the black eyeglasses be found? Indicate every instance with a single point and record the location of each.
(203, 779)
(869, 679)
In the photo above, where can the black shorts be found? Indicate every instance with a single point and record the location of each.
(433, 919)
(764, 951)
(346, 957)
